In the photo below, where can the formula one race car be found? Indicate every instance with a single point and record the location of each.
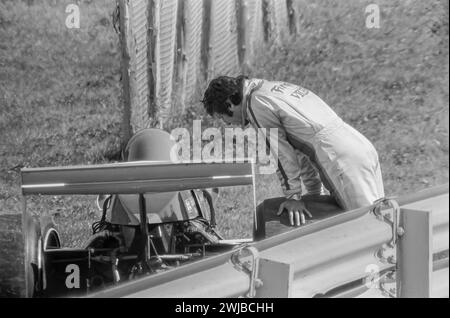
(156, 215)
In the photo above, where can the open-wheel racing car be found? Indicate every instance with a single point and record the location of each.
(156, 215)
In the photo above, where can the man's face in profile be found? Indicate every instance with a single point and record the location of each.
(236, 119)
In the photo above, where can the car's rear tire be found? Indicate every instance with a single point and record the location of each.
(32, 244)
(12, 262)
(39, 236)
(50, 241)
(50, 234)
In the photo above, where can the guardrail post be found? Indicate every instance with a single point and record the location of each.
(277, 279)
(415, 255)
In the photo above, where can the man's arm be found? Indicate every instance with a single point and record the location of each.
(262, 115)
(309, 175)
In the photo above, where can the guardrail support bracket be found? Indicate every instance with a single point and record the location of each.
(415, 255)
(277, 279)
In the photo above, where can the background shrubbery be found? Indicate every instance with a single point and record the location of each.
(60, 93)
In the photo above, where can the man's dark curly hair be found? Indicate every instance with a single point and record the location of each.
(219, 90)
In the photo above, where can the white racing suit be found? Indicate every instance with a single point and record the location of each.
(314, 144)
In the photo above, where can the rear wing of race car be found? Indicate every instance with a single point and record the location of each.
(134, 178)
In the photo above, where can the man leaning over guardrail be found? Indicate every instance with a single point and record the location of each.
(314, 144)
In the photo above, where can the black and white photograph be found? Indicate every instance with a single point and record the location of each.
(224, 154)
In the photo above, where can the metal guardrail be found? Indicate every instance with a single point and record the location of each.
(326, 259)
(331, 258)
(434, 201)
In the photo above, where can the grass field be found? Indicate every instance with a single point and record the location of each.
(60, 94)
